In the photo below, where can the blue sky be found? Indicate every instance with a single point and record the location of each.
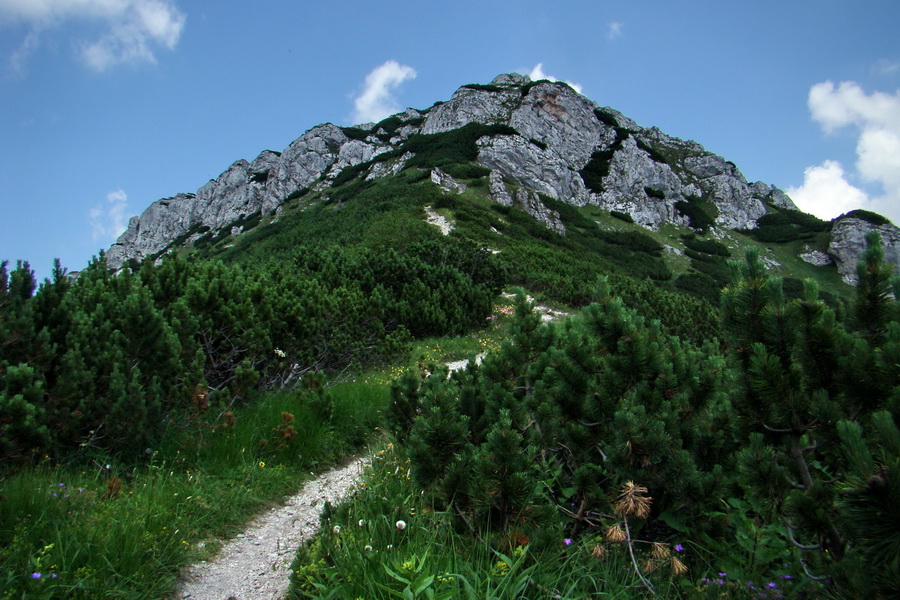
(108, 105)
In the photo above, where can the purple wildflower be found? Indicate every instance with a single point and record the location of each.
(771, 585)
(679, 548)
(52, 575)
(723, 574)
(567, 541)
(35, 575)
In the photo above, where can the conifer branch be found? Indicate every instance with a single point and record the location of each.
(775, 430)
(795, 485)
(790, 532)
(810, 575)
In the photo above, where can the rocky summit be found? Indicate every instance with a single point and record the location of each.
(537, 138)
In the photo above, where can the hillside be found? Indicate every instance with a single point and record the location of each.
(528, 146)
(714, 414)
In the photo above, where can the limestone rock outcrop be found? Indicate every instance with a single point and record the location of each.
(446, 183)
(243, 189)
(848, 241)
(531, 204)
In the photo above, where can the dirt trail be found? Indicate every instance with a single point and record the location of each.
(255, 565)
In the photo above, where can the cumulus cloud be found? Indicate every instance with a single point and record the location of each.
(135, 28)
(876, 119)
(377, 100)
(826, 192)
(537, 74)
(614, 31)
(109, 221)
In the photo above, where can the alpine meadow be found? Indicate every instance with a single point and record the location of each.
(676, 383)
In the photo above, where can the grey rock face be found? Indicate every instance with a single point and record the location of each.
(243, 189)
(739, 208)
(558, 131)
(447, 183)
(848, 242)
(469, 105)
(773, 195)
(511, 79)
(388, 167)
(499, 193)
(163, 221)
(528, 165)
(631, 172)
(532, 205)
(560, 118)
(816, 257)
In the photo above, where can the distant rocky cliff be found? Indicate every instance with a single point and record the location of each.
(556, 142)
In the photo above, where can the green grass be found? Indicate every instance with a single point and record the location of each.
(114, 530)
(440, 350)
(363, 552)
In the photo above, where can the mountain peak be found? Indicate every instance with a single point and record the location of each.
(510, 80)
(540, 138)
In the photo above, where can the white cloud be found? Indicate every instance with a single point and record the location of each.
(109, 221)
(848, 104)
(826, 192)
(876, 117)
(28, 46)
(614, 31)
(886, 67)
(537, 74)
(136, 28)
(377, 99)
(53, 10)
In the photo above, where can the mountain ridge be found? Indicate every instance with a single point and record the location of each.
(534, 137)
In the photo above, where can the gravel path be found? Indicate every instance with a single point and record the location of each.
(256, 564)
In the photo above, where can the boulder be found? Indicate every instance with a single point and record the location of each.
(848, 242)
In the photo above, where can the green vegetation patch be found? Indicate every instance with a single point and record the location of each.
(783, 225)
(710, 271)
(655, 155)
(483, 87)
(867, 216)
(606, 118)
(598, 166)
(467, 171)
(701, 213)
(455, 146)
(622, 216)
(655, 193)
(356, 133)
(100, 526)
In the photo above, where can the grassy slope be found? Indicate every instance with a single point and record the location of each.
(100, 528)
(389, 212)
